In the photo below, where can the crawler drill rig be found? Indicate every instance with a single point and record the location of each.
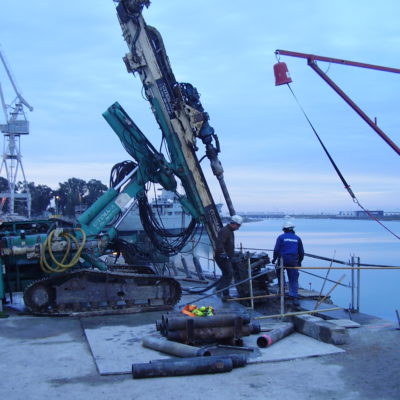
(74, 279)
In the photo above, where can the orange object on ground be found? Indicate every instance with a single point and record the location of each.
(188, 310)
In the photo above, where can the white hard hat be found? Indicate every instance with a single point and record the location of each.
(236, 219)
(288, 225)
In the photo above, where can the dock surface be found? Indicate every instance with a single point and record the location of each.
(91, 358)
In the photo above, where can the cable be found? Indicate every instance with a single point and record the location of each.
(201, 290)
(158, 235)
(346, 185)
(120, 171)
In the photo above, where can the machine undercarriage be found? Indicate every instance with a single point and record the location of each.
(92, 292)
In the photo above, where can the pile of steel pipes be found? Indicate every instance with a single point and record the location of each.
(226, 327)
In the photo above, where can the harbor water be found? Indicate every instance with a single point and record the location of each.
(341, 240)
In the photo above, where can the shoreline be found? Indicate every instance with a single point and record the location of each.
(317, 216)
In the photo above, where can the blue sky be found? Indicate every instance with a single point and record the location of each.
(66, 58)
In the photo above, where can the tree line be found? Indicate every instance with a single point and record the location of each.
(67, 198)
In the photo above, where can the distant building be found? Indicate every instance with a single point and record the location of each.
(391, 213)
(345, 214)
(262, 214)
(360, 214)
(375, 213)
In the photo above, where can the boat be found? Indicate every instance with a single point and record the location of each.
(167, 210)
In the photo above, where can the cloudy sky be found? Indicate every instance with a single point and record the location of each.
(66, 57)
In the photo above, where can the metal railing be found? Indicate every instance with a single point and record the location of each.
(354, 265)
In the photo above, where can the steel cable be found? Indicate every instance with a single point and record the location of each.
(346, 185)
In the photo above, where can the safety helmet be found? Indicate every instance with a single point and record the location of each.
(288, 225)
(236, 219)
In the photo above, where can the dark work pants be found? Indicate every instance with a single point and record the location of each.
(227, 273)
(293, 275)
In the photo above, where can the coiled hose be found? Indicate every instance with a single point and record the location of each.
(61, 266)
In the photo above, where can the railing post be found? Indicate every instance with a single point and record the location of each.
(355, 281)
(358, 284)
(250, 281)
(282, 287)
(352, 284)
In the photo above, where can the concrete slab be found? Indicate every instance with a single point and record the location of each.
(49, 358)
(37, 354)
(116, 347)
(345, 323)
(291, 347)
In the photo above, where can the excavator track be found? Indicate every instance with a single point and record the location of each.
(89, 292)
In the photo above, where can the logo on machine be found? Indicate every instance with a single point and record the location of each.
(162, 87)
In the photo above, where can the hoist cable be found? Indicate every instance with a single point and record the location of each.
(346, 185)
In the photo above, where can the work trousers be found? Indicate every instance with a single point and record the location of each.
(225, 265)
(293, 276)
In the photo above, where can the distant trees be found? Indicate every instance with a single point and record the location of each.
(3, 188)
(70, 194)
(95, 189)
(76, 192)
(3, 184)
(41, 196)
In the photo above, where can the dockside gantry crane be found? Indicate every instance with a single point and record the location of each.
(15, 126)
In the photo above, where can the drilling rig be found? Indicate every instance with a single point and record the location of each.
(61, 268)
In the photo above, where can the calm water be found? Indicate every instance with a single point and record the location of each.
(341, 239)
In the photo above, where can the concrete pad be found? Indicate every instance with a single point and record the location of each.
(345, 323)
(291, 347)
(38, 355)
(116, 348)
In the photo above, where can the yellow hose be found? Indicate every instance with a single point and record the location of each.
(60, 265)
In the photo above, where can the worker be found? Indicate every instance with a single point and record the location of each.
(289, 252)
(224, 253)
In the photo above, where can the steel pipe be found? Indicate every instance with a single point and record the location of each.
(275, 335)
(238, 360)
(186, 366)
(174, 348)
(210, 334)
(179, 323)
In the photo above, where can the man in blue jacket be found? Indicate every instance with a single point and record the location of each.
(289, 250)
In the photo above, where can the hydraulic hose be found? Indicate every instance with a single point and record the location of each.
(190, 291)
(61, 266)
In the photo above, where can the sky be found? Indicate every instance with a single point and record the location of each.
(66, 58)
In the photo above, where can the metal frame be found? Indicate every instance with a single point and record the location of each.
(311, 61)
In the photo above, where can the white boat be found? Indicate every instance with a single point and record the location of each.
(166, 208)
(168, 211)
